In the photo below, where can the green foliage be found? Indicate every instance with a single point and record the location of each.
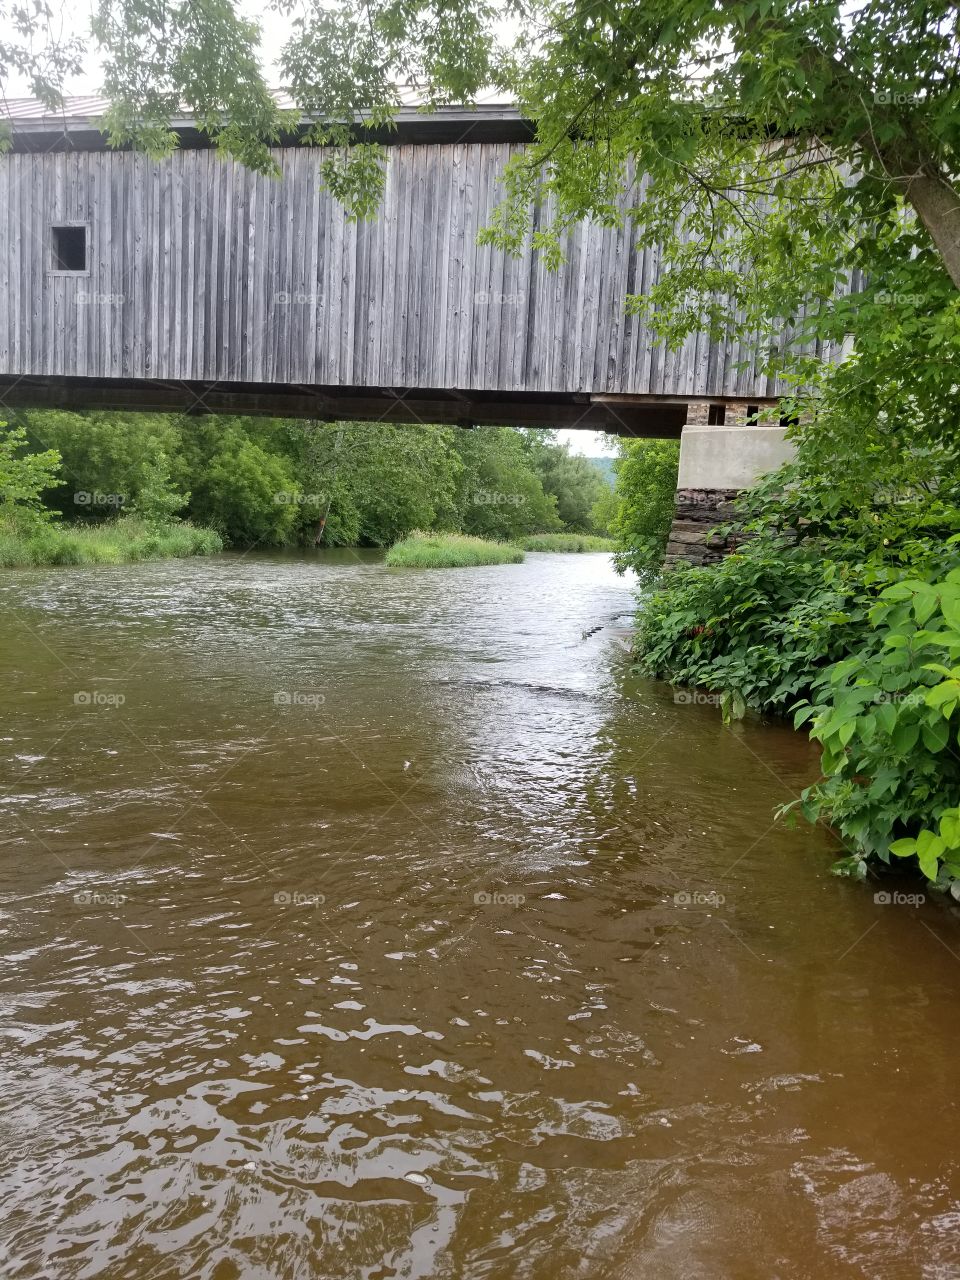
(202, 55)
(604, 512)
(241, 489)
(871, 668)
(500, 494)
(844, 598)
(24, 476)
(269, 482)
(574, 481)
(778, 143)
(576, 542)
(108, 458)
(646, 489)
(29, 537)
(758, 626)
(113, 542)
(450, 551)
(157, 499)
(395, 478)
(886, 718)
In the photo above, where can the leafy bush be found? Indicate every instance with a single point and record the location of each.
(158, 500)
(25, 476)
(885, 718)
(844, 599)
(248, 493)
(646, 489)
(757, 627)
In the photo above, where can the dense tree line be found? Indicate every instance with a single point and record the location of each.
(272, 482)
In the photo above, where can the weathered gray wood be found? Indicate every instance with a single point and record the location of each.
(6, 285)
(216, 273)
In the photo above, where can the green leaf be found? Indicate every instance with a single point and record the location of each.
(903, 848)
(936, 735)
(929, 864)
(886, 714)
(803, 715)
(941, 694)
(905, 737)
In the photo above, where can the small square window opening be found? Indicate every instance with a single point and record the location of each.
(69, 248)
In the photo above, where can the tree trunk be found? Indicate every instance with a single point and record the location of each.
(937, 205)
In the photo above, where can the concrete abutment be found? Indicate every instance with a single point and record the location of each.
(716, 462)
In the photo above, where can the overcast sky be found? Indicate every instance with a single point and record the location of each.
(592, 443)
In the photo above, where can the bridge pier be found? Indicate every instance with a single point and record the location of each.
(716, 462)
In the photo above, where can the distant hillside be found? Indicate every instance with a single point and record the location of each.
(605, 466)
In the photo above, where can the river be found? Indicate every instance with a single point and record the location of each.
(370, 923)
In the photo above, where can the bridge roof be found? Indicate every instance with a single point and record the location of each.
(77, 126)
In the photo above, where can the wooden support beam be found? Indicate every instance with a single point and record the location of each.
(650, 418)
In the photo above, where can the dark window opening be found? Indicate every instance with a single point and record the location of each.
(789, 420)
(69, 248)
(716, 415)
(753, 412)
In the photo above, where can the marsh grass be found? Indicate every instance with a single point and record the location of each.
(450, 551)
(114, 542)
(566, 542)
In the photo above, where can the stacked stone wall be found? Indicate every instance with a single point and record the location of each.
(696, 513)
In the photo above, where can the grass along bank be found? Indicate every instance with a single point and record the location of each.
(114, 542)
(566, 542)
(421, 550)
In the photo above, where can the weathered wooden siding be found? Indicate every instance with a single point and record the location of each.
(201, 270)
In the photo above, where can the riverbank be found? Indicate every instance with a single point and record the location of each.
(450, 551)
(120, 541)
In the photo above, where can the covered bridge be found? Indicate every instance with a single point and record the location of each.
(194, 284)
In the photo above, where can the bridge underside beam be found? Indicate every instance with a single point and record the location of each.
(646, 416)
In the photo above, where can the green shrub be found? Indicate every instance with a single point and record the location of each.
(158, 500)
(847, 612)
(756, 628)
(450, 551)
(885, 717)
(646, 491)
(25, 476)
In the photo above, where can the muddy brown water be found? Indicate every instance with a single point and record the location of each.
(365, 923)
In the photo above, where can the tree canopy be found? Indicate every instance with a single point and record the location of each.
(275, 482)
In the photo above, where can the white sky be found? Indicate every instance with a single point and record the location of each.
(74, 18)
(592, 443)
